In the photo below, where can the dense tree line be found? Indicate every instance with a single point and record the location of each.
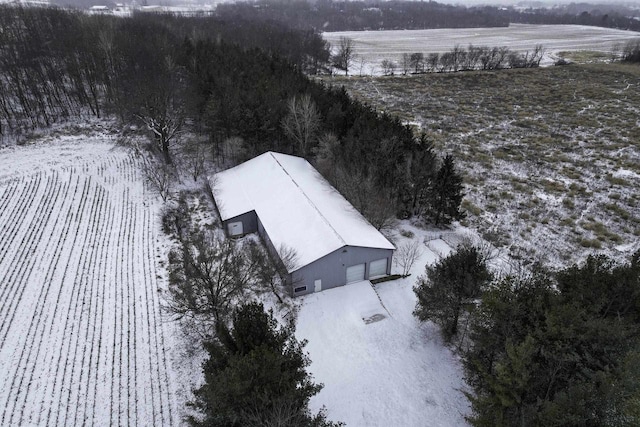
(372, 158)
(58, 64)
(46, 71)
(170, 74)
(460, 58)
(545, 348)
(329, 15)
(609, 16)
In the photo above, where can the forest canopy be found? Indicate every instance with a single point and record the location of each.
(236, 82)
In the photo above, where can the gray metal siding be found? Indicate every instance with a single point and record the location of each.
(249, 222)
(332, 268)
(274, 254)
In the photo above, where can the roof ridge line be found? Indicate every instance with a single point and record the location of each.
(307, 197)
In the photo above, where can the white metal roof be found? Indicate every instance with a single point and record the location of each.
(298, 208)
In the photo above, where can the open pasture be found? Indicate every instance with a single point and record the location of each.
(550, 156)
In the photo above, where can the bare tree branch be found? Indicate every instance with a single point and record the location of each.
(302, 122)
(406, 255)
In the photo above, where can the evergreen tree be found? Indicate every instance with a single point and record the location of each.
(421, 172)
(558, 352)
(255, 375)
(448, 287)
(446, 194)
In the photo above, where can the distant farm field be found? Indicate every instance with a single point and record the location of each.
(551, 156)
(371, 47)
(82, 340)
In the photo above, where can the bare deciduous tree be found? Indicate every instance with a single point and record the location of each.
(456, 57)
(536, 56)
(417, 62)
(631, 51)
(327, 156)
(361, 63)
(432, 61)
(164, 122)
(388, 67)
(302, 122)
(160, 177)
(230, 152)
(194, 158)
(405, 63)
(270, 267)
(345, 54)
(208, 275)
(406, 255)
(615, 51)
(373, 202)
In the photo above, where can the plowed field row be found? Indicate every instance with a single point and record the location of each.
(81, 336)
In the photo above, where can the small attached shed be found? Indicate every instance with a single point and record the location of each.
(295, 210)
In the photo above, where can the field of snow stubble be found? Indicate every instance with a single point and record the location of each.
(82, 339)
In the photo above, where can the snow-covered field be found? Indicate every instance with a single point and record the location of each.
(82, 341)
(389, 372)
(371, 47)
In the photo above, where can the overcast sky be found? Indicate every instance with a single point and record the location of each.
(542, 2)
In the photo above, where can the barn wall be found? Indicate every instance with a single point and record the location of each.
(272, 251)
(332, 268)
(249, 222)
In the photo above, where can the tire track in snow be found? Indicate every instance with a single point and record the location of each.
(63, 300)
(102, 346)
(21, 268)
(91, 288)
(149, 316)
(88, 203)
(99, 277)
(116, 360)
(42, 337)
(132, 390)
(16, 277)
(8, 194)
(162, 367)
(8, 230)
(6, 324)
(34, 324)
(12, 230)
(86, 257)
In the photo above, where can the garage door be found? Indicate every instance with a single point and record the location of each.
(355, 273)
(235, 228)
(378, 268)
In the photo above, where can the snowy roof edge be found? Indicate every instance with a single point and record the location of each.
(300, 184)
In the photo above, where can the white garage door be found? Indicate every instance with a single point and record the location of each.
(377, 268)
(355, 273)
(235, 228)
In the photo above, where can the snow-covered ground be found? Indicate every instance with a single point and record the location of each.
(379, 365)
(82, 338)
(371, 47)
